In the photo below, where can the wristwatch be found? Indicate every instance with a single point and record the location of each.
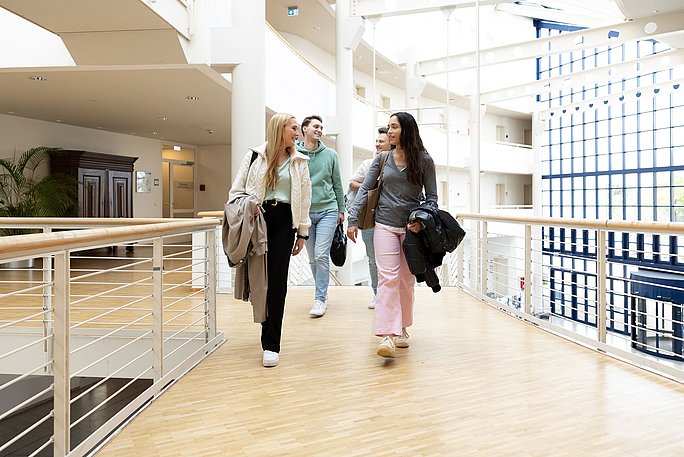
(302, 237)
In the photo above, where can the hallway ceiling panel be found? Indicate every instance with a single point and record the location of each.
(128, 100)
(61, 16)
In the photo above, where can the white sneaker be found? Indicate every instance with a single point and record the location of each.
(386, 347)
(271, 359)
(402, 341)
(318, 309)
(371, 305)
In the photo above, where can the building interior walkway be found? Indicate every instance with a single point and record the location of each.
(475, 381)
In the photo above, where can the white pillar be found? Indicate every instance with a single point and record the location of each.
(248, 95)
(475, 118)
(345, 36)
(410, 98)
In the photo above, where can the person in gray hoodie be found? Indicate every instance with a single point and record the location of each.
(327, 207)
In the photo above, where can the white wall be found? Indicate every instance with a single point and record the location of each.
(212, 168)
(19, 134)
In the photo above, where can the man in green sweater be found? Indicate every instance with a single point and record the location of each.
(327, 207)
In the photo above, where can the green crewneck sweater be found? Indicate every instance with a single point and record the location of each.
(326, 182)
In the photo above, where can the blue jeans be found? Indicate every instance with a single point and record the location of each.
(367, 236)
(321, 233)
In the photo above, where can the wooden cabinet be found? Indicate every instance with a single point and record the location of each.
(105, 182)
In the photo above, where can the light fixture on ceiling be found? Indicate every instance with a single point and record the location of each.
(192, 97)
(316, 27)
(37, 78)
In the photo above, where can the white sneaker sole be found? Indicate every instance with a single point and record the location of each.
(387, 352)
(401, 344)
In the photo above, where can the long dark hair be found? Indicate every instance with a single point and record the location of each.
(412, 145)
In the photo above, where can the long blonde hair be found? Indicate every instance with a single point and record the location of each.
(274, 135)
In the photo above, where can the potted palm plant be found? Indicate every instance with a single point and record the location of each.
(26, 190)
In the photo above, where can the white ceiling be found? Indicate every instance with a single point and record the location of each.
(142, 77)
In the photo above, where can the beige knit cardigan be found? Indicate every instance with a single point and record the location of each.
(252, 180)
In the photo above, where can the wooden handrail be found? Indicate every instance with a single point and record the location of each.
(636, 226)
(36, 245)
(218, 214)
(71, 222)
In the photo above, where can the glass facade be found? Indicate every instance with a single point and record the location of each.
(622, 159)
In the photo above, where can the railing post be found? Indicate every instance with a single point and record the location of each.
(601, 285)
(157, 307)
(483, 258)
(527, 281)
(47, 302)
(60, 364)
(210, 290)
(459, 261)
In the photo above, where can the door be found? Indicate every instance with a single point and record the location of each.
(92, 192)
(120, 194)
(178, 189)
(500, 194)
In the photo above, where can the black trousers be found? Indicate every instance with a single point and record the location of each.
(281, 236)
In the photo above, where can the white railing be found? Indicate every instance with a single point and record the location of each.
(92, 334)
(614, 286)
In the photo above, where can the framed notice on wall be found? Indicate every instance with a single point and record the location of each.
(143, 181)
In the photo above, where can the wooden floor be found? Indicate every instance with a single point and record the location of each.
(475, 382)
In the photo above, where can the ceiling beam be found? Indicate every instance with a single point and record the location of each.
(640, 93)
(378, 8)
(587, 78)
(615, 34)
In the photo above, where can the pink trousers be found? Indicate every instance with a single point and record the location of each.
(394, 301)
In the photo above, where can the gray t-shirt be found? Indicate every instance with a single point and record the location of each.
(398, 196)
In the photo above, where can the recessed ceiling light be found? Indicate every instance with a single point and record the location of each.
(192, 97)
(37, 78)
(58, 120)
(99, 127)
(163, 118)
(154, 133)
(10, 112)
(316, 27)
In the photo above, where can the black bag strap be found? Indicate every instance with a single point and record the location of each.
(254, 156)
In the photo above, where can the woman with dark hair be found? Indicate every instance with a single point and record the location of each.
(408, 170)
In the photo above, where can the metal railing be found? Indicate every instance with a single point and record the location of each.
(610, 285)
(90, 333)
(614, 286)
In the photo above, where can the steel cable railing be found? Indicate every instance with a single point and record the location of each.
(101, 324)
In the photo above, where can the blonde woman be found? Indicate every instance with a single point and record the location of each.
(279, 178)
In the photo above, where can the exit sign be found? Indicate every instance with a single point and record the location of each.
(292, 11)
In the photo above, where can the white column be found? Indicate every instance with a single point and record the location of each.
(475, 118)
(410, 98)
(248, 96)
(345, 36)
